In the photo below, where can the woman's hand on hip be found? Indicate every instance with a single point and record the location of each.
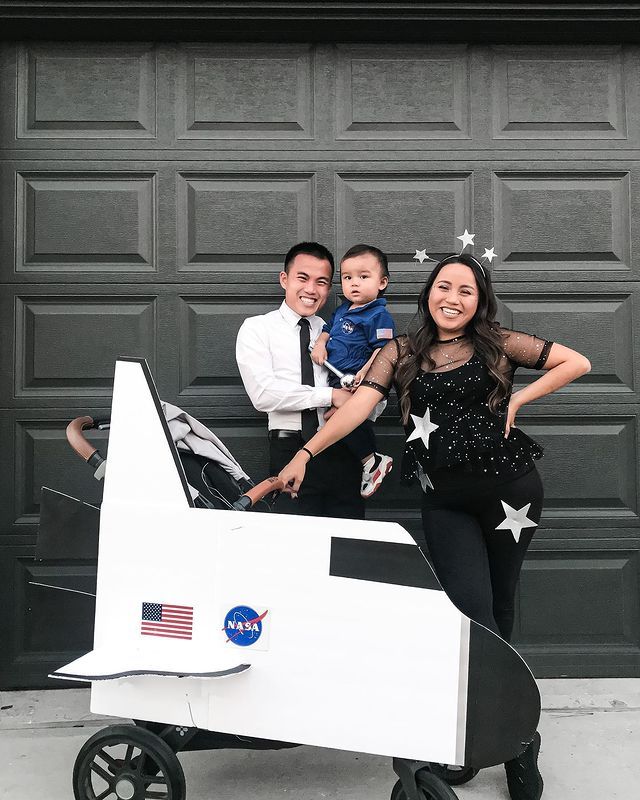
(293, 473)
(514, 407)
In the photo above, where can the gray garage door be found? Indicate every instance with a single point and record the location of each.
(148, 194)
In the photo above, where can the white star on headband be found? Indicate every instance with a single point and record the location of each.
(466, 238)
(421, 255)
(489, 254)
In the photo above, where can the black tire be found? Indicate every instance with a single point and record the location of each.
(129, 763)
(454, 776)
(431, 787)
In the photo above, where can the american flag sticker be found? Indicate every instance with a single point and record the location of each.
(162, 619)
(384, 333)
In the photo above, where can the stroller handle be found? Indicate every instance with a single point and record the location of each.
(83, 448)
(258, 492)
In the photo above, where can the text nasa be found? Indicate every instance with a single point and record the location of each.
(237, 625)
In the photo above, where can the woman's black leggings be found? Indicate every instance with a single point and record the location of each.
(476, 557)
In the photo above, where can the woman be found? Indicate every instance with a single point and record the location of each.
(481, 492)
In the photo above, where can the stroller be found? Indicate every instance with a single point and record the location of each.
(69, 527)
(280, 666)
(216, 479)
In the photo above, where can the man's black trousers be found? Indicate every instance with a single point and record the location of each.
(331, 487)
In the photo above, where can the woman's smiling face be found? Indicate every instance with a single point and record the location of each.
(453, 300)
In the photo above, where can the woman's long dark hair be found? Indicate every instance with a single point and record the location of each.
(482, 330)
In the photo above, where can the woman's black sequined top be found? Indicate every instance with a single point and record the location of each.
(451, 426)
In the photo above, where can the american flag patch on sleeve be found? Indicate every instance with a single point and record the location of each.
(384, 333)
(162, 619)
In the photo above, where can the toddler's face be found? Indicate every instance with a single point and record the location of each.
(362, 279)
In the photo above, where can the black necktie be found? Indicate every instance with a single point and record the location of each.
(309, 415)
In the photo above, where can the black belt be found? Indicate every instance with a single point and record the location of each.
(279, 433)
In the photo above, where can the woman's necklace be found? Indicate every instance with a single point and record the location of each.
(449, 360)
(451, 341)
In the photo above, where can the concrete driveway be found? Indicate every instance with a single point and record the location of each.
(590, 750)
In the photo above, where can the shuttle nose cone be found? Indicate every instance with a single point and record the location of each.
(503, 701)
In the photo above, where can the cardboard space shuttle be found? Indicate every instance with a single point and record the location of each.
(326, 632)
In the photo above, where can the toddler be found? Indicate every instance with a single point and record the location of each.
(351, 340)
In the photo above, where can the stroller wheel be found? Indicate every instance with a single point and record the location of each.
(430, 787)
(125, 762)
(454, 776)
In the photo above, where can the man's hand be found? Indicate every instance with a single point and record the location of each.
(319, 353)
(293, 473)
(339, 397)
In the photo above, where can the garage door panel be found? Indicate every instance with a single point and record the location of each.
(66, 345)
(232, 223)
(208, 327)
(62, 344)
(84, 222)
(398, 210)
(245, 91)
(36, 630)
(581, 598)
(389, 92)
(43, 457)
(579, 319)
(574, 591)
(79, 221)
(559, 93)
(87, 95)
(86, 91)
(589, 468)
(557, 221)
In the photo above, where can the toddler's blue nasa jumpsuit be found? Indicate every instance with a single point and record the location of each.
(354, 333)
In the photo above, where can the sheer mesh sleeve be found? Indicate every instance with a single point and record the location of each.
(525, 349)
(381, 372)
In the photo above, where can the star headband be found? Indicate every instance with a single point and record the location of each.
(477, 263)
(466, 239)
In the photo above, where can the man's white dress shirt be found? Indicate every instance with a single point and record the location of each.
(268, 356)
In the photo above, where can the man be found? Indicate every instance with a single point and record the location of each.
(280, 379)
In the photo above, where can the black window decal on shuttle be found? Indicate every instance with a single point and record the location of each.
(382, 562)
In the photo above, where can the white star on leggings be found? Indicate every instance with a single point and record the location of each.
(515, 520)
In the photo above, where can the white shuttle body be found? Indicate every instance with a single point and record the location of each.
(326, 632)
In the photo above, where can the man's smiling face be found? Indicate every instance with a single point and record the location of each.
(307, 284)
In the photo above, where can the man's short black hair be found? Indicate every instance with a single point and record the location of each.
(309, 249)
(381, 258)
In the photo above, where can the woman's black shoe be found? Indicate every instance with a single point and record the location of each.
(523, 776)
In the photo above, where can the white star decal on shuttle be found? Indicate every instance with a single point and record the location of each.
(423, 428)
(466, 238)
(515, 520)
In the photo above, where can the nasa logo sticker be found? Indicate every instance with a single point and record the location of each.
(245, 627)
(347, 326)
